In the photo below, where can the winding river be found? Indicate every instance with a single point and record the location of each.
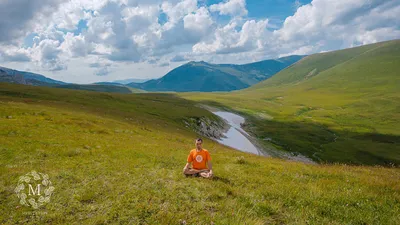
(239, 139)
(236, 137)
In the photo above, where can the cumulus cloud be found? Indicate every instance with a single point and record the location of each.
(193, 25)
(199, 21)
(379, 34)
(139, 19)
(19, 16)
(340, 20)
(252, 35)
(14, 54)
(69, 16)
(75, 46)
(178, 11)
(318, 26)
(230, 7)
(46, 53)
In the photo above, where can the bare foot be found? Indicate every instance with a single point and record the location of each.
(205, 174)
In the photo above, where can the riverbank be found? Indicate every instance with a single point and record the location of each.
(238, 138)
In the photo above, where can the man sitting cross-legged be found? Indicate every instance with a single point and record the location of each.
(200, 158)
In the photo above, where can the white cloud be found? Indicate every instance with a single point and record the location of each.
(69, 16)
(17, 17)
(178, 11)
(200, 21)
(187, 26)
(11, 53)
(377, 35)
(138, 19)
(252, 36)
(341, 20)
(46, 54)
(230, 7)
(75, 46)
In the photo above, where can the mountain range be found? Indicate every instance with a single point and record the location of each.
(22, 77)
(207, 77)
(192, 76)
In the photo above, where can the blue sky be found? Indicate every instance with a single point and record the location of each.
(86, 41)
(273, 9)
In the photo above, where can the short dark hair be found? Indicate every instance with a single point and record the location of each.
(199, 139)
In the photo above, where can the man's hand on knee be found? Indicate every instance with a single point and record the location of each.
(185, 170)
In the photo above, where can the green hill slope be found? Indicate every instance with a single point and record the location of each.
(314, 64)
(118, 159)
(340, 106)
(98, 87)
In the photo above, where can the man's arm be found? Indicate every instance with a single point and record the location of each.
(209, 162)
(187, 166)
(210, 167)
(188, 162)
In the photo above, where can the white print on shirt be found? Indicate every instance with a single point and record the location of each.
(199, 158)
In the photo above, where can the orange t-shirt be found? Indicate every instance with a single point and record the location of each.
(199, 158)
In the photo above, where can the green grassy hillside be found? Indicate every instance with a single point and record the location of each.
(118, 159)
(341, 106)
(99, 88)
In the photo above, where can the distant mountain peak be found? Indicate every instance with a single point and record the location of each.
(23, 77)
(206, 77)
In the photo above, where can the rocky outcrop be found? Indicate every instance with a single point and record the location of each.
(207, 127)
